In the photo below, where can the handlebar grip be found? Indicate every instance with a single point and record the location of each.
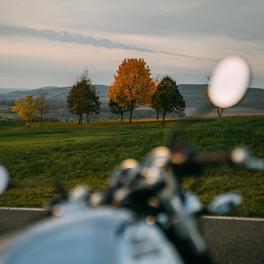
(238, 156)
(242, 157)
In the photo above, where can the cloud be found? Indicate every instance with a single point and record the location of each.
(64, 36)
(174, 36)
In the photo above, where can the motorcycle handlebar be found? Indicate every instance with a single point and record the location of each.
(237, 156)
(185, 162)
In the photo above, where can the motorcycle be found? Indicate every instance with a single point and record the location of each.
(145, 216)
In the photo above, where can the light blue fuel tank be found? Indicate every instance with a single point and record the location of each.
(102, 236)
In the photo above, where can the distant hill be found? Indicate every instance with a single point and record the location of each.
(194, 96)
(8, 90)
(192, 93)
(54, 92)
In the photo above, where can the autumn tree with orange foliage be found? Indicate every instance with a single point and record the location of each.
(26, 109)
(132, 86)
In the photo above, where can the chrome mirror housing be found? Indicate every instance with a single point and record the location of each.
(229, 82)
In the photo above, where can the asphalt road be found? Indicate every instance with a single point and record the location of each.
(235, 241)
(231, 240)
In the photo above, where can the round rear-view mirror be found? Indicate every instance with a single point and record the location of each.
(229, 82)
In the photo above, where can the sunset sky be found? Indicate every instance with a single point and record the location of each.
(49, 42)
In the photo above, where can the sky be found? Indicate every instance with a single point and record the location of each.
(50, 42)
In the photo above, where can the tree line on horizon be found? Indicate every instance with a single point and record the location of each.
(133, 86)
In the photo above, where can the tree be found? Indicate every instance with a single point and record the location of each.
(167, 98)
(132, 85)
(155, 104)
(42, 103)
(26, 109)
(83, 99)
(118, 108)
(219, 110)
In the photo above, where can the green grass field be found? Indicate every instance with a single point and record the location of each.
(36, 157)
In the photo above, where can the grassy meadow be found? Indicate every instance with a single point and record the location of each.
(38, 156)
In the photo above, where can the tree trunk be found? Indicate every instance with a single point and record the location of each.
(157, 115)
(130, 115)
(122, 116)
(41, 117)
(163, 118)
(28, 121)
(80, 119)
(87, 118)
(219, 112)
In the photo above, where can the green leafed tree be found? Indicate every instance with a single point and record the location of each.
(167, 98)
(82, 99)
(118, 108)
